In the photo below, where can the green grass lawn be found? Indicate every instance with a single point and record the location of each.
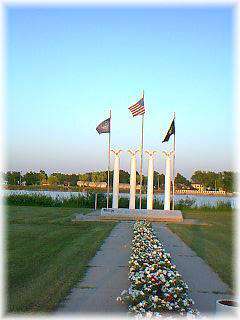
(213, 242)
(47, 255)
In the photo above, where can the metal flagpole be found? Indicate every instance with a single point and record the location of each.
(141, 160)
(109, 152)
(174, 149)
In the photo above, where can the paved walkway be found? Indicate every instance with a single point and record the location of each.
(106, 277)
(205, 285)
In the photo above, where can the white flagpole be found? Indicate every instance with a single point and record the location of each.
(141, 161)
(173, 173)
(109, 152)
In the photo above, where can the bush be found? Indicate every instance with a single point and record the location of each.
(88, 201)
(185, 203)
(80, 201)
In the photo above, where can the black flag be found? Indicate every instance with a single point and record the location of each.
(104, 127)
(171, 131)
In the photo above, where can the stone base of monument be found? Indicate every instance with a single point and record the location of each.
(143, 214)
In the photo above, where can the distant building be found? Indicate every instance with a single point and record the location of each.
(195, 191)
(101, 185)
(45, 184)
(82, 183)
(198, 186)
(124, 186)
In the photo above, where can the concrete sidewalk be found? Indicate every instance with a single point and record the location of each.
(106, 277)
(204, 284)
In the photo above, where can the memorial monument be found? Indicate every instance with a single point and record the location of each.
(133, 213)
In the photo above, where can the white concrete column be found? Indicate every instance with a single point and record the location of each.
(132, 197)
(150, 179)
(167, 191)
(116, 179)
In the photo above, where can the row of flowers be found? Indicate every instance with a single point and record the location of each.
(156, 288)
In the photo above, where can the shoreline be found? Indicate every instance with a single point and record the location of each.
(97, 190)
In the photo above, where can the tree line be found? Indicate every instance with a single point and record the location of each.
(210, 180)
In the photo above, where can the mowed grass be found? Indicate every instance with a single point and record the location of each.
(47, 255)
(213, 242)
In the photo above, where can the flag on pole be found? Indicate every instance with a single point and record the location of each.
(138, 108)
(171, 131)
(104, 127)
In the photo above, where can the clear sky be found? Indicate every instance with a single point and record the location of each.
(67, 66)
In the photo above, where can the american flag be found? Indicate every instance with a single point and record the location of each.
(138, 109)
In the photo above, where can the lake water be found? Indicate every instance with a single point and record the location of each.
(199, 199)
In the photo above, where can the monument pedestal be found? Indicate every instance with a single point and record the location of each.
(143, 214)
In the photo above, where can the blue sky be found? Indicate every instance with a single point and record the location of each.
(67, 66)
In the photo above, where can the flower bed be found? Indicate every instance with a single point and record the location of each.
(156, 287)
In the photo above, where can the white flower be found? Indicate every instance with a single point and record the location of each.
(155, 299)
(149, 314)
(149, 262)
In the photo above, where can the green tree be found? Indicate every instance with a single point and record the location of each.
(102, 176)
(228, 181)
(42, 177)
(198, 177)
(31, 178)
(73, 179)
(99, 176)
(84, 177)
(181, 182)
(158, 180)
(124, 176)
(95, 176)
(13, 177)
(144, 179)
(155, 179)
(53, 180)
(210, 179)
(61, 177)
